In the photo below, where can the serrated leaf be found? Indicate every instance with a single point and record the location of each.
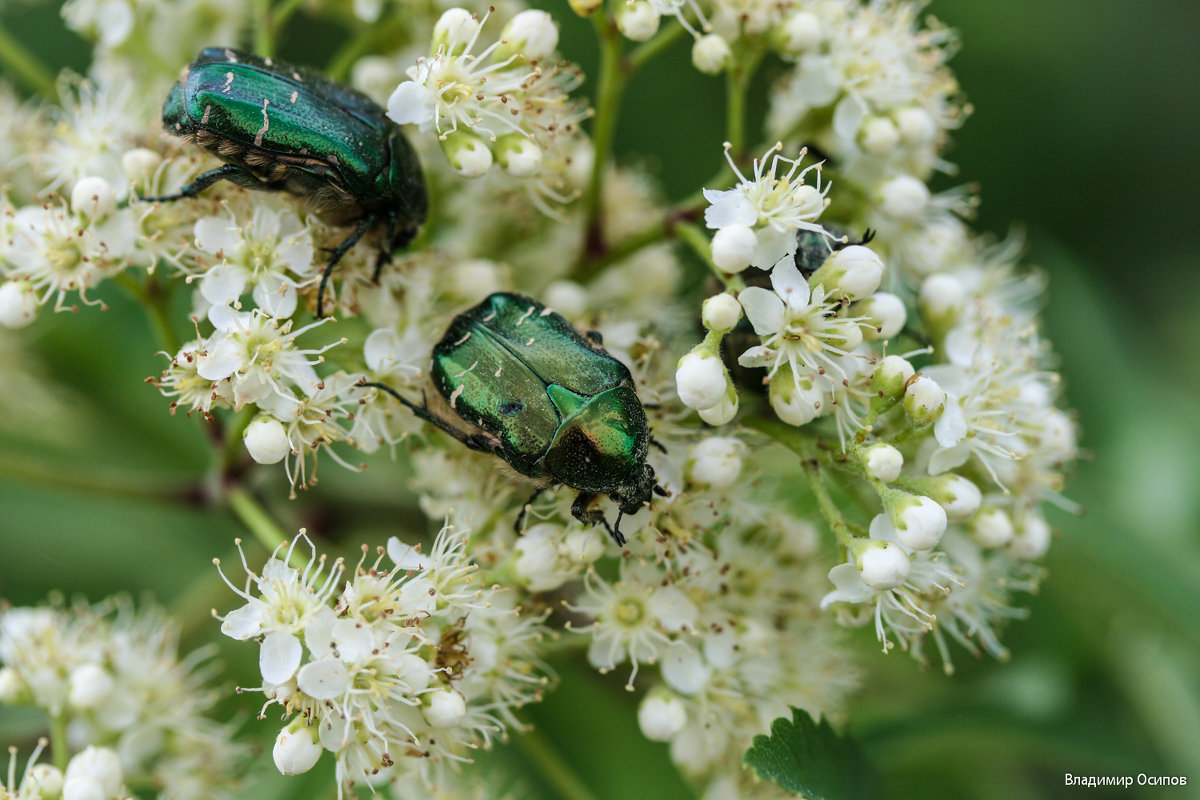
(809, 759)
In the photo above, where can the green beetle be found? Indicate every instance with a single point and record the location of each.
(521, 383)
(284, 128)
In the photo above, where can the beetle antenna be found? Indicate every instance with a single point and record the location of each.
(615, 530)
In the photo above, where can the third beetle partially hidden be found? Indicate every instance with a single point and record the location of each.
(284, 128)
(521, 383)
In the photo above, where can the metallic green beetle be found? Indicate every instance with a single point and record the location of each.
(521, 383)
(284, 128)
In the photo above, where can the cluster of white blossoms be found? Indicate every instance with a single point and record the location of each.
(508, 104)
(865, 435)
(130, 707)
(94, 773)
(399, 672)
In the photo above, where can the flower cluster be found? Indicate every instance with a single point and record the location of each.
(397, 671)
(876, 372)
(132, 707)
(508, 104)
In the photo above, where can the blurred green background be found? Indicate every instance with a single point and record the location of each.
(1084, 134)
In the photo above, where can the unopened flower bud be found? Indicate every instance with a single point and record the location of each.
(297, 748)
(584, 546)
(43, 781)
(13, 689)
(476, 278)
(800, 31)
(884, 565)
(882, 462)
(854, 271)
(919, 521)
(519, 155)
(266, 440)
(885, 313)
(90, 685)
(796, 400)
(891, 376)
(710, 54)
(18, 304)
(444, 708)
(93, 198)
(139, 163)
(723, 412)
(941, 300)
(956, 494)
(916, 126)
(532, 33)
(717, 461)
(924, 400)
(661, 715)
(637, 20)
(467, 153)
(721, 313)
(733, 247)
(879, 136)
(991, 527)
(700, 379)
(93, 773)
(454, 30)
(904, 197)
(1031, 539)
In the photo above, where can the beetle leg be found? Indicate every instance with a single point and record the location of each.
(521, 517)
(657, 443)
(582, 511)
(475, 441)
(228, 172)
(338, 252)
(385, 250)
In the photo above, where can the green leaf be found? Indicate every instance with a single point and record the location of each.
(808, 758)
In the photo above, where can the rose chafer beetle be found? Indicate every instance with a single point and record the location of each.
(518, 381)
(284, 128)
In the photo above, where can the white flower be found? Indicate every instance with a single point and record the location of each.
(18, 304)
(774, 207)
(717, 461)
(93, 774)
(799, 329)
(285, 602)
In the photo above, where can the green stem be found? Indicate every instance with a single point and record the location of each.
(29, 71)
(154, 298)
(234, 450)
(609, 87)
(58, 741)
(256, 519)
(557, 772)
(810, 462)
(63, 478)
(647, 51)
(264, 29)
(737, 82)
(699, 242)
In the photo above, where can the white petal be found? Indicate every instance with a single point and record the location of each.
(947, 458)
(223, 283)
(353, 639)
(324, 679)
(279, 656)
(850, 586)
(773, 245)
(245, 622)
(951, 426)
(760, 356)
(380, 350)
(276, 295)
(848, 117)
(411, 103)
(217, 235)
(674, 610)
(684, 670)
(407, 557)
(728, 208)
(764, 310)
(790, 285)
(222, 360)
